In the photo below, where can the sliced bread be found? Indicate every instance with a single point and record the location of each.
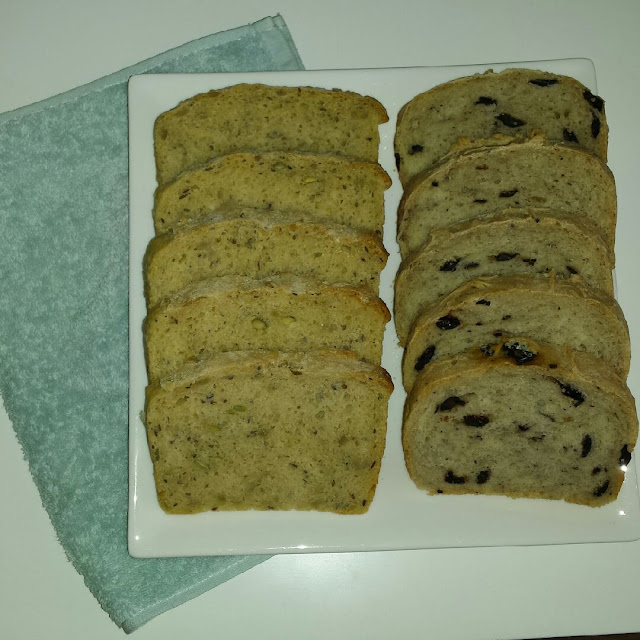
(525, 173)
(519, 241)
(264, 118)
(513, 102)
(268, 430)
(524, 420)
(545, 308)
(261, 244)
(240, 314)
(340, 190)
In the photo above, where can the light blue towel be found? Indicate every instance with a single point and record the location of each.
(63, 317)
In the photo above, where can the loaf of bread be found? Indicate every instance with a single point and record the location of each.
(520, 241)
(261, 244)
(340, 190)
(548, 309)
(513, 102)
(264, 118)
(268, 430)
(234, 313)
(524, 173)
(521, 419)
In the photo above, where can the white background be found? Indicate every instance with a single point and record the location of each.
(493, 593)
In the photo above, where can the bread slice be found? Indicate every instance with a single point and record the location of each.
(268, 430)
(517, 242)
(239, 314)
(513, 102)
(545, 308)
(264, 118)
(340, 190)
(524, 420)
(261, 244)
(525, 173)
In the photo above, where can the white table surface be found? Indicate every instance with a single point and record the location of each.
(492, 593)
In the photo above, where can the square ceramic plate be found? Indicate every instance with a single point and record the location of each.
(401, 516)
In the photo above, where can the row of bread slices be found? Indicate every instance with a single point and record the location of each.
(516, 353)
(264, 329)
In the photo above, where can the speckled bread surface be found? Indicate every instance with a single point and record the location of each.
(268, 430)
(514, 173)
(517, 242)
(263, 118)
(523, 419)
(513, 102)
(485, 311)
(234, 313)
(335, 189)
(260, 244)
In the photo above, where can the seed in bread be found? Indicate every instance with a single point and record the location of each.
(517, 242)
(234, 313)
(260, 244)
(483, 181)
(545, 308)
(513, 102)
(264, 118)
(334, 189)
(523, 419)
(268, 430)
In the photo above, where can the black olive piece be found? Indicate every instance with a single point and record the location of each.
(397, 160)
(487, 349)
(485, 100)
(571, 270)
(601, 490)
(510, 121)
(483, 476)
(507, 317)
(625, 455)
(475, 421)
(415, 148)
(448, 322)
(484, 302)
(425, 358)
(497, 334)
(543, 82)
(450, 265)
(595, 101)
(596, 470)
(452, 478)
(569, 136)
(586, 446)
(508, 194)
(518, 352)
(480, 200)
(435, 183)
(571, 392)
(595, 126)
(523, 427)
(471, 265)
(504, 257)
(529, 261)
(450, 403)
(553, 366)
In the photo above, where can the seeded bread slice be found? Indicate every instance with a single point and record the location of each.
(482, 181)
(517, 242)
(524, 420)
(265, 118)
(548, 309)
(240, 314)
(340, 190)
(269, 431)
(513, 102)
(261, 244)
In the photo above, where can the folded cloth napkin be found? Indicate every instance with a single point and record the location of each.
(63, 317)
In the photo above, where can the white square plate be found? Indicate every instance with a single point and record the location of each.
(401, 516)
